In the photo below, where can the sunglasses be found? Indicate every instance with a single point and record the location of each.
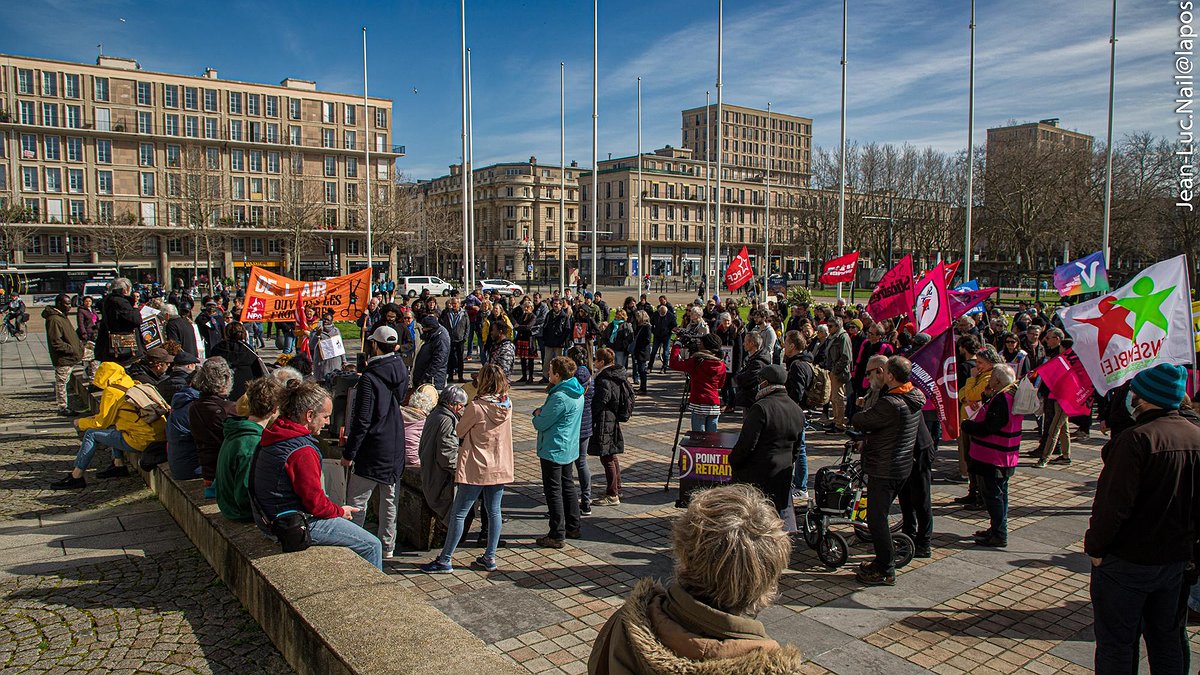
(874, 370)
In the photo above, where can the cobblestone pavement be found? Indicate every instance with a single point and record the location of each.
(1023, 609)
(102, 580)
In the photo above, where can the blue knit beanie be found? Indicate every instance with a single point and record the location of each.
(1163, 385)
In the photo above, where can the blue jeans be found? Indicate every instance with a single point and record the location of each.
(800, 471)
(289, 343)
(702, 422)
(993, 485)
(342, 532)
(111, 438)
(464, 498)
(665, 347)
(640, 371)
(585, 473)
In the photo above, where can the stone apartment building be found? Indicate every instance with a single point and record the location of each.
(516, 216)
(86, 144)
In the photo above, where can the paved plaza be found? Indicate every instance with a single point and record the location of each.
(103, 579)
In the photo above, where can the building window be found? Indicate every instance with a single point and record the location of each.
(351, 114)
(272, 162)
(380, 118)
(175, 245)
(71, 86)
(145, 94)
(351, 193)
(103, 151)
(210, 100)
(293, 108)
(327, 138)
(331, 218)
(331, 193)
(294, 137)
(189, 98)
(272, 104)
(75, 181)
(235, 130)
(238, 187)
(171, 95)
(235, 103)
(53, 148)
(330, 166)
(256, 190)
(237, 160)
(50, 114)
(25, 81)
(28, 114)
(172, 125)
(74, 149)
(252, 104)
(351, 140)
(100, 88)
(29, 178)
(49, 84)
(147, 183)
(145, 154)
(104, 182)
(273, 190)
(272, 132)
(212, 157)
(191, 126)
(256, 161)
(78, 211)
(104, 211)
(74, 116)
(174, 188)
(54, 244)
(327, 112)
(351, 167)
(173, 156)
(145, 123)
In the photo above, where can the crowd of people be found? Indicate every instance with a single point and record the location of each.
(252, 432)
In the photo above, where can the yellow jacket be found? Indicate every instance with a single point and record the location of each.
(116, 411)
(972, 390)
(487, 326)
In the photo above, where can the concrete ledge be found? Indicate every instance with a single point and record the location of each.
(326, 609)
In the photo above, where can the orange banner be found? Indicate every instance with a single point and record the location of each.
(271, 297)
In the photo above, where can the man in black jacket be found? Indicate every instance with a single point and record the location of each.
(118, 317)
(1143, 529)
(179, 328)
(891, 433)
(556, 334)
(375, 434)
(745, 382)
(772, 436)
(457, 324)
(662, 324)
(798, 362)
(430, 364)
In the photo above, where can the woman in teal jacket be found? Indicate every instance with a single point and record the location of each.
(557, 424)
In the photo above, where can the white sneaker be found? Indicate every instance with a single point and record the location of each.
(799, 497)
(387, 555)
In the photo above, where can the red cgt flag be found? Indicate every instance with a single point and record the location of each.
(840, 270)
(951, 269)
(739, 271)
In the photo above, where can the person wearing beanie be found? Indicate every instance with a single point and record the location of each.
(1143, 528)
(771, 438)
(432, 362)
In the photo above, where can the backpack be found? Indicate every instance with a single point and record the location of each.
(625, 408)
(622, 337)
(149, 404)
(818, 392)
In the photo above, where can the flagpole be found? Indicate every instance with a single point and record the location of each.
(640, 264)
(470, 175)
(970, 151)
(367, 160)
(595, 145)
(709, 269)
(766, 273)
(841, 234)
(1112, 76)
(720, 129)
(562, 179)
(466, 255)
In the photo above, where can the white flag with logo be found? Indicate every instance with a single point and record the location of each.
(1146, 322)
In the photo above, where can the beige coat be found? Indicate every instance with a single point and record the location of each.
(668, 632)
(486, 455)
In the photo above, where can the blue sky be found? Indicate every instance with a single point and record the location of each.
(907, 63)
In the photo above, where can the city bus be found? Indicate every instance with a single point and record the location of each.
(46, 281)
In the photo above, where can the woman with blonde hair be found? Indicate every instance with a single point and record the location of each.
(730, 550)
(485, 466)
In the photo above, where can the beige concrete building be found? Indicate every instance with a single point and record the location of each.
(673, 218)
(751, 142)
(82, 145)
(516, 216)
(1036, 135)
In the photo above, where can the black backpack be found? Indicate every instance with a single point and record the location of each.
(625, 406)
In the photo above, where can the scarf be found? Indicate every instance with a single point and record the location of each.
(767, 391)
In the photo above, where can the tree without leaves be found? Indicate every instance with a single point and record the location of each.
(203, 200)
(301, 208)
(119, 239)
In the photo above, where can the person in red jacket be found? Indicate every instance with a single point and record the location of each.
(706, 370)
(286, 476)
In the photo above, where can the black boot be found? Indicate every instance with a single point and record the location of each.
(68, 483)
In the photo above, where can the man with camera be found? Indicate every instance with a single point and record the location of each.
(890, 426)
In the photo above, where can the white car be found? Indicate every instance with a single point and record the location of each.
(412, 286)
(501, 286)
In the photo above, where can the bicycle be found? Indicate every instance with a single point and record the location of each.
(839, 499)
(14, 327)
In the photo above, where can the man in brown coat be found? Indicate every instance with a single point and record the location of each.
(65, 349)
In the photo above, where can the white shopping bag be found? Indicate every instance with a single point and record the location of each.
(1026, 400)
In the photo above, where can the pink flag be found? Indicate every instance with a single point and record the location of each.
(894, 294)
(1068, 382)
(935, 373)
(932, 311)
(962, 301)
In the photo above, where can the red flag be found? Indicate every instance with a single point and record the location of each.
(932, 312)
(739, 271)
(894, 295)
(1068, 382)
(840, 270)
(301, 318)
(951, 270)
(962, 301)
(935, 373)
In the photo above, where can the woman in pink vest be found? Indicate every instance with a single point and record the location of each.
(994, 446)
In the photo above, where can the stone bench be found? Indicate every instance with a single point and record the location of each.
(326, 609)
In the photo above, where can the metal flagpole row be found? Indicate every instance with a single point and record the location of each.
(841, 240)
(970, 151)
(562, 178)
(595, 147)
(367, 162)
(640, 263)
(462, 174)
(720, 130)
(470, 178)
